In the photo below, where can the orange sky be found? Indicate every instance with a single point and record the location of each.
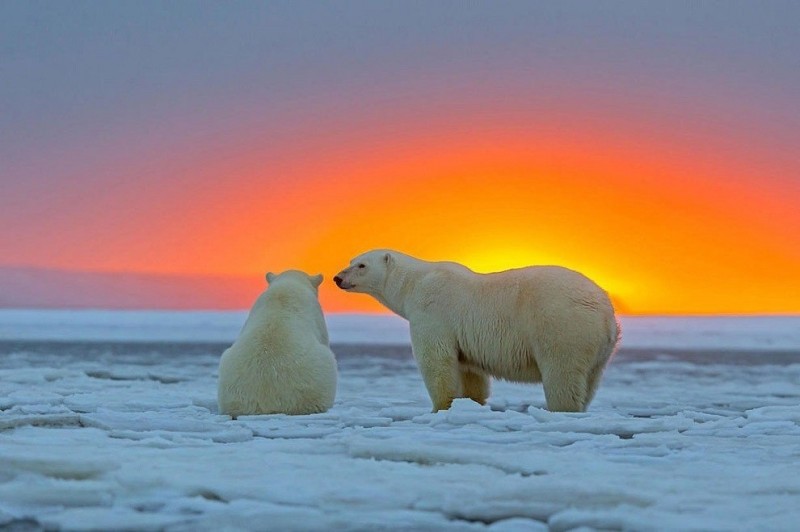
(662, 231)
(650, 156)
(664, 227)
(660, 237)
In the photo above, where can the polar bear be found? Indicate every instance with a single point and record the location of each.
(281, 361)
(543, 324)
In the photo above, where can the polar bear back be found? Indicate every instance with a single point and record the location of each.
(521, 313)
(281, 361)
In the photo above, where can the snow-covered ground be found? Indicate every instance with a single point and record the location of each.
(100, 434)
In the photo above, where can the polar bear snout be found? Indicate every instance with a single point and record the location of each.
(341, 282)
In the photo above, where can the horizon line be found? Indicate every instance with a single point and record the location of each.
(378, 313)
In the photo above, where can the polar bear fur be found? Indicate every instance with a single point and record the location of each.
(538, 324)
(281, 361)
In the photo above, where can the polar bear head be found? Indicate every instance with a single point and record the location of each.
(295, 277)
(366, 273)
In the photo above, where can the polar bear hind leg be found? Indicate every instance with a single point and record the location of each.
(564, 391)
(565, 378)
(593, 381)
(474, 386)
(597, 371)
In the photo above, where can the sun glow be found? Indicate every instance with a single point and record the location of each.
(662, 230)
(503, 258)
(496, 259)
(655, 239)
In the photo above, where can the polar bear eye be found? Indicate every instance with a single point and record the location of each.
(362, 265)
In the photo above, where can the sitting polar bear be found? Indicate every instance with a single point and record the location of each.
(538, 324)
(281, 362)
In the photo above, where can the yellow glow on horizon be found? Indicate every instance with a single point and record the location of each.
(662, 232)
(497, 259)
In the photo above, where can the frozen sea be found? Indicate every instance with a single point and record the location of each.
(109, 422)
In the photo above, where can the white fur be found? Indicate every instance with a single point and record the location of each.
(281, 362)
(538, 324)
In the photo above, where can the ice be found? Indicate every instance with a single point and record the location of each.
(712, 332)
(774, 333)
(175, 326)
(121, 325)
(129, 438)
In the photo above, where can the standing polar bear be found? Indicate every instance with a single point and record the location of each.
(543, 324)
(281, 362)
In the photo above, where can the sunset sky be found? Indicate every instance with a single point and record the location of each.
(653, 146)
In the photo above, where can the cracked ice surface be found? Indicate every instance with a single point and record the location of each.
(113, 436)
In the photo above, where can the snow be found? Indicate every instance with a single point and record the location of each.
(98, 435)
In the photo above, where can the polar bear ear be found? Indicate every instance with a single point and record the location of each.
(387, 258)
(270, 277)
(316, 280)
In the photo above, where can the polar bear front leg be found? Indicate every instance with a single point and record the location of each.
(437, 359)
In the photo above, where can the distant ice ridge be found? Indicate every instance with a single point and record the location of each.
(774, 333)
(178, 326)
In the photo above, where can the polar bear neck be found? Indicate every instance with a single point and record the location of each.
(289, 299)
(401, 278)
(287, 303)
